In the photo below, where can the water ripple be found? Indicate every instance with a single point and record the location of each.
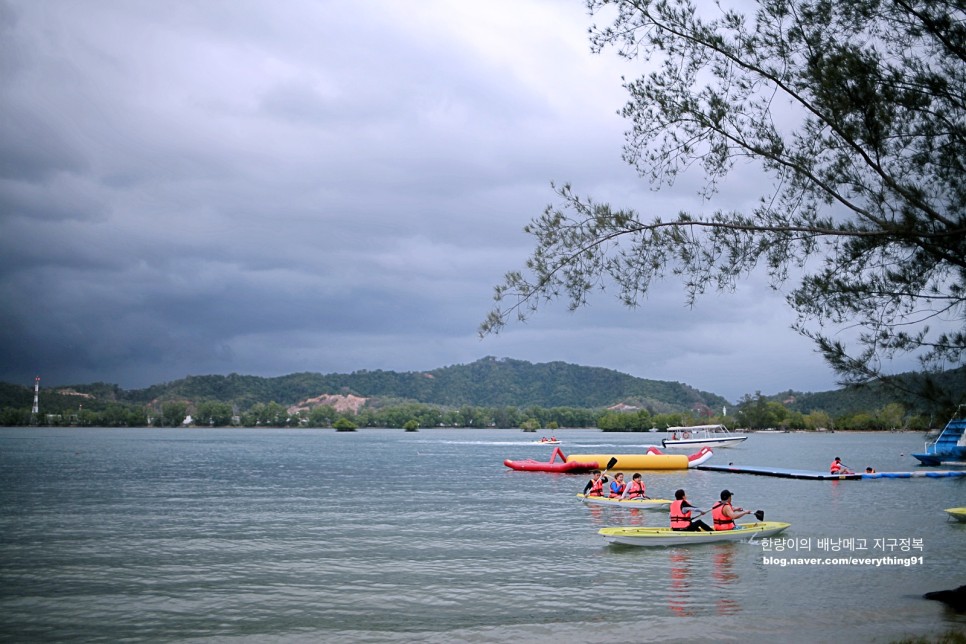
(252, 535)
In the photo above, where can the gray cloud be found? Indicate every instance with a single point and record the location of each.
(214, 187)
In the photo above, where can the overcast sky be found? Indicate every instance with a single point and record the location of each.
(208, 187)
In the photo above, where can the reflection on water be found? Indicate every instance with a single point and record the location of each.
(725, 577)
(598, 514)
(603, 516)
(695, 589)
(679, 599)
(638, 517)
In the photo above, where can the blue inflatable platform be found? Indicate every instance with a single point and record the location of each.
(786, 473)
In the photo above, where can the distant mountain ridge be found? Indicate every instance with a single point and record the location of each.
(945, 390)
(488, 382)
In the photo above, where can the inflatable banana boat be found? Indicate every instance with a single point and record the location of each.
(653, 459)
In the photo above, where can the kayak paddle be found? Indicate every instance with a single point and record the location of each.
(611, 463)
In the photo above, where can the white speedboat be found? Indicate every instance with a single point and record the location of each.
(547, 441)
(701, 436)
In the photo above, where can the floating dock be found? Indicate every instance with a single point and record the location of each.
(814, 475)
(935, 474)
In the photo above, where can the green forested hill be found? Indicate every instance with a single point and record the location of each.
(489, 382)
(945, 392)
(499, 382)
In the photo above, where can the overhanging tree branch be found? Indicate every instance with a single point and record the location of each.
(878, 129)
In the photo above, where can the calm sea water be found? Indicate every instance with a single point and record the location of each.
(385, 536)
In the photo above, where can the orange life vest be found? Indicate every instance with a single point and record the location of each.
(721, 522)
(835, 467)
(619, 492)
(680, 517)
(597, 488)
(637, 490)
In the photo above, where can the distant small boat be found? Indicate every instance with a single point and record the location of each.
(548, 441)
(701, 436)
(950, 445)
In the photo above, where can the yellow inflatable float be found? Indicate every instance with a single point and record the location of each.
(634, 461)
(654, 459)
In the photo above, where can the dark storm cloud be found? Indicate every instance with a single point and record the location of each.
(215, 187)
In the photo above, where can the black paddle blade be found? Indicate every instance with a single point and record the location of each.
(612, 462)
(760, 515)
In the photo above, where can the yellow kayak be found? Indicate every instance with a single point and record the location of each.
(638, 536)
(641, 504)
(957, 513)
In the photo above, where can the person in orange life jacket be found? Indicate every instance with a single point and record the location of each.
(595, 486)
(724, 514)
(837, 467)
(681, 515)
(637, 489)
(617, 486)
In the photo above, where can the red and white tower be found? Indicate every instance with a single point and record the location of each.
(36, 407)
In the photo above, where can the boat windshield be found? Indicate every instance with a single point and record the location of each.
(699, 429)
